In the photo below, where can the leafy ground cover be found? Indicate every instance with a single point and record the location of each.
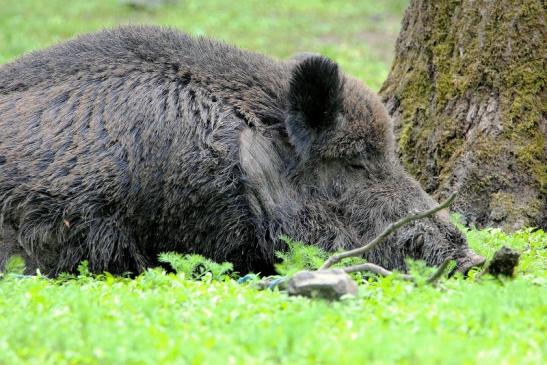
(200, 314)
(178, 318)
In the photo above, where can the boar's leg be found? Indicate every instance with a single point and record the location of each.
(55, 234)
(108, 246)
(9, 248)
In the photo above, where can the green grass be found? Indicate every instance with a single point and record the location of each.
(201, 315)
(360, 35)
(161, 318)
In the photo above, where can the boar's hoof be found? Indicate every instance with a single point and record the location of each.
(327, 284)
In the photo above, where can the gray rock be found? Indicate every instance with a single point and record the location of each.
(327, 284)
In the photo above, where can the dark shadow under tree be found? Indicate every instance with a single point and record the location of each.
(467, 94)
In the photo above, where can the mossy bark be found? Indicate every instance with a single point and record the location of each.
(467, 94)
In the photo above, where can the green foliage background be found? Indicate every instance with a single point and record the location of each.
(360, 35)
(201, 315)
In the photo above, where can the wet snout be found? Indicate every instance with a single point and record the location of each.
(436, 240)
(465, 258)
(468, 261)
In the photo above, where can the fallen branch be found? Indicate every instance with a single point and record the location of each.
(439, 273)
(379, 270)
(335, 283)
(382, 237)
(375, 269)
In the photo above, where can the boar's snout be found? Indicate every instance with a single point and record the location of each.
(468, 261)
(457, 244)
(434, 240)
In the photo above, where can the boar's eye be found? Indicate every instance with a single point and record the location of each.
(356, 164)
(419, 242)
(415, 246)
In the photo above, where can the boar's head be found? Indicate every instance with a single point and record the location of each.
(346, 178)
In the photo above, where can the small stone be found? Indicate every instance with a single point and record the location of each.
(504, 262)
(326, 284)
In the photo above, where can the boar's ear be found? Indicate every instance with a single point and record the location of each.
(315, 99)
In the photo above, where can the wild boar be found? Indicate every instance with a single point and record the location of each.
(122, 144)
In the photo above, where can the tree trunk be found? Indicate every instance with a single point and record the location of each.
(467, 94)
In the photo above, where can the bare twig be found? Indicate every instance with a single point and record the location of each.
(382, 237)
(375, 269)
(439, 273)
(379, 270)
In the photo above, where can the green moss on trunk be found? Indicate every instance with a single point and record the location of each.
(467, 92)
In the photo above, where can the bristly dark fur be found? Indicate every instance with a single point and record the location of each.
(119, 145)
(315, 98)
(315, 91)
